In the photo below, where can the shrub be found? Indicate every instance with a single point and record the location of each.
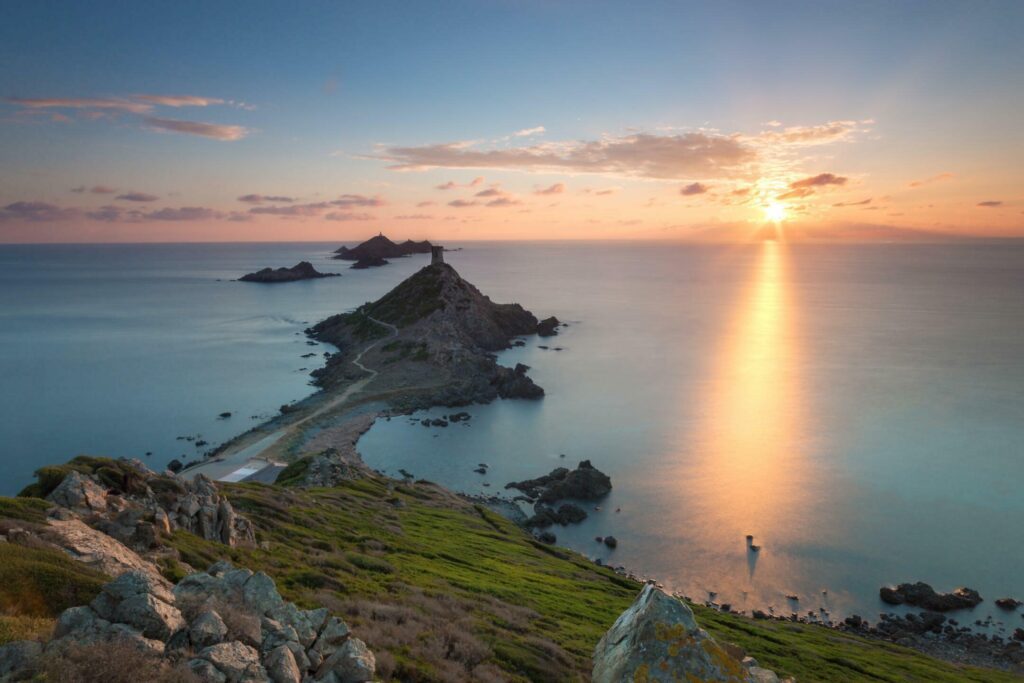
(117, 661)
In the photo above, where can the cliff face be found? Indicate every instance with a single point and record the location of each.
(442, 330)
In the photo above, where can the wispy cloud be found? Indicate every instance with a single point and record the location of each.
(95, 189)
(527, 132)
(179, 100)
(348, 216)
(991, 204)
(260, 198)
(641, 156)
(414, 217)
(184, 213)
(819, 180)
(462, 203)
(928, 181)
(491, 192)
(137, 197)
(863, 202)
(502, 202)
(693, 189)
(37, 212)
(101, 104)
(557, 188)
(452, 185)
(207, 130)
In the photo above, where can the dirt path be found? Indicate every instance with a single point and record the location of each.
(247, 458)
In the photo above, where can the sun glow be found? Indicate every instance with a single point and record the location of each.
(775, 212)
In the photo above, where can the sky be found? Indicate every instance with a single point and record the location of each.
(518, 119)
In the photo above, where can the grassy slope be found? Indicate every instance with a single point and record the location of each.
(531, 610)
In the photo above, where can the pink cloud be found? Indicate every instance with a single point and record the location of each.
(693, 189)
(502, 202)
(557, 188)
(928, 181)
(106, 104)
(461, 203)
(991, 204)
(137, 197)
(260, 198)
(184, 213)
(178, 100)
(206, 130)
(347, 216)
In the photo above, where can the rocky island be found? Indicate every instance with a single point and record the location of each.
(378, 248)
(303, 270)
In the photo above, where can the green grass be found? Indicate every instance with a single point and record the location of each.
(42, 582)
(388, 558)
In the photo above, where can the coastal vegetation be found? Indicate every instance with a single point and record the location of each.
(443, 589)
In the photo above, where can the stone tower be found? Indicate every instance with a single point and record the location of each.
(436, 255)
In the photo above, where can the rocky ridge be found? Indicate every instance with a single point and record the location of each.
(224, 625)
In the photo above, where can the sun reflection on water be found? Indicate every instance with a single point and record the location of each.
(745, 469)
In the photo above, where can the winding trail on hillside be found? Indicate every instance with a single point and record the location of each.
(247, 460)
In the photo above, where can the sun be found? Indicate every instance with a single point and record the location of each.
(775, 212)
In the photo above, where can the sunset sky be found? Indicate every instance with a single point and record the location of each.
(194, 121)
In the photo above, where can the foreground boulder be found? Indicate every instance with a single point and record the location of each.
(657, 639)
(922, 595)
(225, 625)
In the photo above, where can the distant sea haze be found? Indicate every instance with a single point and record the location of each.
(855, 408)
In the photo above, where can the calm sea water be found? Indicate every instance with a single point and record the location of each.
(858, 409)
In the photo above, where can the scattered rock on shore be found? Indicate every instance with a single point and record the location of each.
(922, 595)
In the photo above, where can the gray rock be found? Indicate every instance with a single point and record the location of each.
(154, 618)
(260, 594)
(281, 666)
(207, 629)
(18, 656)
(135, 583)
(206, 672)
(79, 492)
(657, 639)
(351, 663)
(333, 635)
(237, 661)
(78, 620)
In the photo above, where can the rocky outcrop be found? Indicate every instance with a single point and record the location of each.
(515, 383)
(546, 515)
(922, 595)
(548, 327)
(658, 639)
(369, 262)
(303, 270)
(225, 625)
(442, 333)
(96, 549)
(134, 505)
(380, 247)
(583, 483)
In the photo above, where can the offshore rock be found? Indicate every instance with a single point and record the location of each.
(657, 639)
(922, 595)
(584, 483)
(303, 270)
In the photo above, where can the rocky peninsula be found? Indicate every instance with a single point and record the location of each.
(303, 270)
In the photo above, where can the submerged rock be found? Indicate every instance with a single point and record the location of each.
(657, 639)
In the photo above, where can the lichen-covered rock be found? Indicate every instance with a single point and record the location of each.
(230, 625)
(207, 629)
(79, 491)
(281, 665)
(237, 661)
(351, 663)
(657, 639)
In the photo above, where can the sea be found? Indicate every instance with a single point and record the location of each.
(857, 409)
